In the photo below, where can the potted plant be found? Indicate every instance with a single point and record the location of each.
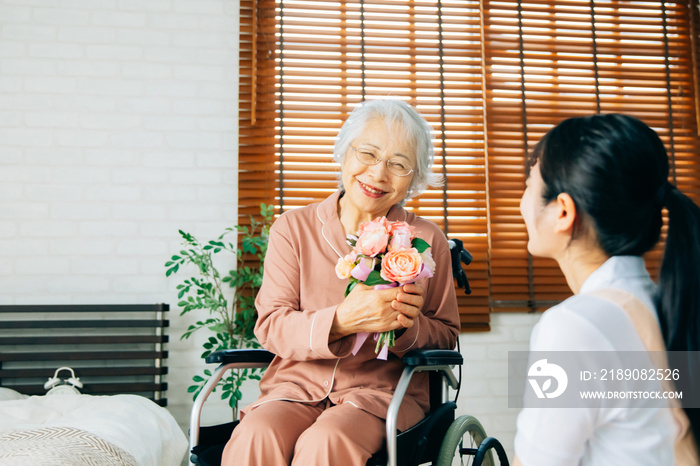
(229, 322)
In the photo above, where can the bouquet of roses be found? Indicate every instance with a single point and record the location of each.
(384, 255)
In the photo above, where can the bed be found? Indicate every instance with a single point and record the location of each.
(114, 414)
(77, 429)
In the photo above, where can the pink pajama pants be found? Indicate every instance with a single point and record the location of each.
(282, 433)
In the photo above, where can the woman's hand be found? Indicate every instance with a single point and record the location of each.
(368, 310)
(408, 303)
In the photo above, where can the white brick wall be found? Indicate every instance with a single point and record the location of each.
(484, 392)
(117, 128)
(116, 121)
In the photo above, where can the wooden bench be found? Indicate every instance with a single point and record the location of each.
(113, 349)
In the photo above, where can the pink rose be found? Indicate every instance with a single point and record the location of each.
(373, 239)
(401, 265)
(401, 235)
(400, 240)
(401, 226)
(345, 266)
(377, 223)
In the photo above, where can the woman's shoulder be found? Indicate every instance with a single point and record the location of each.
(299, 216)
(582, 323)
(425, 228)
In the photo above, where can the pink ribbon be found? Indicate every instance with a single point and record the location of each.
(425, 272)
(361, 271)
(360, 340)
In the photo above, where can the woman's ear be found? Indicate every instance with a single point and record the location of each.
(566, 214)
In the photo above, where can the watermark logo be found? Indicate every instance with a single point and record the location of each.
(546, 372)
(594, 379)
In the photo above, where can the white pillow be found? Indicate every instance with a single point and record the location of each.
(7, 394)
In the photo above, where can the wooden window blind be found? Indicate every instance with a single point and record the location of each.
(547, 61)
(490, 76)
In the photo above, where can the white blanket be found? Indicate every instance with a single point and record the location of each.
(131, 423)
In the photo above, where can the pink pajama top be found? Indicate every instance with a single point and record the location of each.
(297, 303)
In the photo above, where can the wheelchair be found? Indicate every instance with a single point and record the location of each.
(438, 439)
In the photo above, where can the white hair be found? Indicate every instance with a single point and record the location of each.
(416, 130)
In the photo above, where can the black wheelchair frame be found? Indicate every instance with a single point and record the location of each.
(436, 439)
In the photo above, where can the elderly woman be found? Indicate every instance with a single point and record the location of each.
(320, 403)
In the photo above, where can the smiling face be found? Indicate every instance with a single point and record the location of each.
(371, 190)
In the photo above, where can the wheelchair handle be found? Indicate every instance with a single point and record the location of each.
(460, 255)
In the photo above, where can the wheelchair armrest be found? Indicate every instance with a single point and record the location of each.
(440, 360)
(234, 356)
(227, 360)
(433, 357)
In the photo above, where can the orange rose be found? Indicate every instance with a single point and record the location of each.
(401, 265)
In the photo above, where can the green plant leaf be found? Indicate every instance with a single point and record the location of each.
(218, 327)
(229, 325)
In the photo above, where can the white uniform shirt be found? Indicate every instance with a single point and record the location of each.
(605, 435)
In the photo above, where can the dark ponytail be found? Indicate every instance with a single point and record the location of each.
(678, 302)
(616, 169)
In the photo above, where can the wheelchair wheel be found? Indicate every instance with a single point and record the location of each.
(461, 442)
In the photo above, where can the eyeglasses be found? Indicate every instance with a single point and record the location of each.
(396, 166)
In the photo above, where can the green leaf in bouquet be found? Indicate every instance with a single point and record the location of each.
(420, 244)
(351, 285)
(375, 278)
